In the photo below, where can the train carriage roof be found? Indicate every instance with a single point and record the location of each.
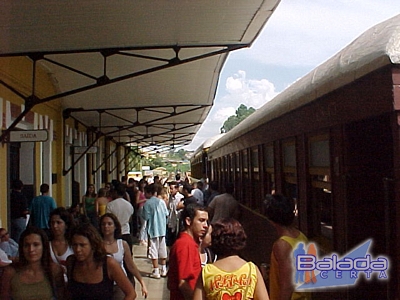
(140, 70)
(377, 47)
(206, 145)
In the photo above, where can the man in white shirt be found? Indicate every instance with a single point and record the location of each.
(173, 217)
(123, 210)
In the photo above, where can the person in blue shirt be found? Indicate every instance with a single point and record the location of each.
(155, 213)
(41, 207)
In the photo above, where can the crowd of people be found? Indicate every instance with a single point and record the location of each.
(191, 231)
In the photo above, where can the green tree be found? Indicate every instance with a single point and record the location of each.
(241, 113)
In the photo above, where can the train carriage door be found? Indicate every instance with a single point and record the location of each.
(14, 165)
(368, 161)
(21, 166)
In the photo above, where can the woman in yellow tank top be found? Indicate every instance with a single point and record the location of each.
(101, 202)
(280, 212)
(230, 277)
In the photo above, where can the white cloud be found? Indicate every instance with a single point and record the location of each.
(238, 90)
(300, 33)
(233, 84)
(222, 114)
(250, 92)
(306, 33)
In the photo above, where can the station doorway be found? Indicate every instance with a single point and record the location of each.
(21, 166)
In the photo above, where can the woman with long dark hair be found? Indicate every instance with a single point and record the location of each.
(143, 224)
(110, 230)
(61, 223)
(91, 273)
(89, 205)
(35, 276)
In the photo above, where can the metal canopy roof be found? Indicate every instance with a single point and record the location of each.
(140, 72)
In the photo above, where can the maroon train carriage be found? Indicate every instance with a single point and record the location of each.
(331, 141)
(199, 164)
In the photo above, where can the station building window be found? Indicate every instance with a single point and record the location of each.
(320, 174)
(269, 169)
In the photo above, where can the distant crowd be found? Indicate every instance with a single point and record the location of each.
(191, 232)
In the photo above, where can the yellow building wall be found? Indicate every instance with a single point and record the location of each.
(17, 72)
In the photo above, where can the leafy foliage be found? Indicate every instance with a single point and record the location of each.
(241, 113)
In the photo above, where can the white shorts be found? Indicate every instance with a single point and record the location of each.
(157, 248)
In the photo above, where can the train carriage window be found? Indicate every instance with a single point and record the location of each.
(269, 156)
(214, 170)
(245, 161)
(225, 169)
(269, 169)
(246, 183)
(321, 198)
(319, 154)
(230, 168)
(289, 153)
(254, 160)
(237, 181)
(255, 180)
(225, 163)
(220, 170)
(289, 169)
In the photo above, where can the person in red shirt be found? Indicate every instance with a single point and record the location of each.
(184, 260)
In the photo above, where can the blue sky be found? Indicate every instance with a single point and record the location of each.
(300, 35)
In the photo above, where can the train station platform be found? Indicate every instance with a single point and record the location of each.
(157, 287)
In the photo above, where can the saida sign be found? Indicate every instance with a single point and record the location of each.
(28, 136)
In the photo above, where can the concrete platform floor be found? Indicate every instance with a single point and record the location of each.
(157, 287)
